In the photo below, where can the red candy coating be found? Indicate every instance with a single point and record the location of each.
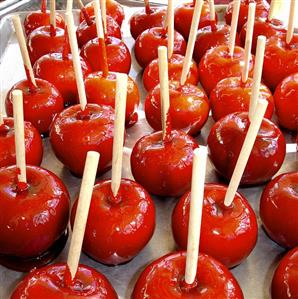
(278, 209)
(146, 46)
(33, 144)
(141, 20)
(232, 95)
(183, 17)
(217, 64)
(286, 102)
(75, 132)
(118, 228)
(189, 108)
(59, 71)
(34, 218)
(164, 278)
(225, 142)
(228, 234)
(175, 66)
(102, 91)
(163, 168)
(40, 105)
(51, 282)
(285, 280)
(118, 55)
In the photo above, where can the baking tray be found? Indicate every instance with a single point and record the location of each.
(254, 274)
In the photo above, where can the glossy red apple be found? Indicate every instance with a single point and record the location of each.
(40, 104)
(164, 167)
(33, 144)
(75, 132)
(53, 282)
(118, 228)
(225, 142)
(175, 66)
(164, 278)
(229, 234)
(34, 217)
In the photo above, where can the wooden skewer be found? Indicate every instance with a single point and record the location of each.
(98, 19)
(43, 7)
(53, 13)
(76, 59)
(147, 6)
(164, 87)
(212, 10)
(291, 24)
(195, 214)
(119, 129)
(69, 5)
(257, 77)
(1, 113)
(23, 47)
(18, 115)
(81, 4)
(245, 151)
(170, 28)
(248, 40)
(272, 9)
(85, 196)
(103, 7)
(191, 41)
(235, 15)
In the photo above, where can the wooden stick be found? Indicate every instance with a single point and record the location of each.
(147, 7)
(191, 41)
(170, 28)
(245, 151)
(257, 77)
(23, 47)
(119, 129)
(195, 214)
(98, 19)
(1, 112)
(248, 40)
(212, 10)
(164, 87)
(18, 115)
(43, 7)
(291, 24)
(103, 7)
(272, 9)
(53, 13)
(235, 15)
(81, 4)
(80, 222)
(69, 5)
(76, 59)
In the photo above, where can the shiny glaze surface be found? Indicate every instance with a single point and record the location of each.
(164, 278)
(285, 279)
(51, 282)
(232, 95)
(118, 228)
(183, 17)
(31, 220)
(101, 90)
(163, 168)
(267, 28)
(262, 9)
(278, 209)
(210, 37)
(87, 32)
(226, 139)
(114, 10)
(118, 55)
(41, 41)
(60, 72)
(286, 102)
(280, 60)
(189, 108)
(228, 234)
(147, 43)
(37, 19)
(140, 20)
(175, 65)
(40, 105)
(217, 64)
(33, 144)
(92, 132)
